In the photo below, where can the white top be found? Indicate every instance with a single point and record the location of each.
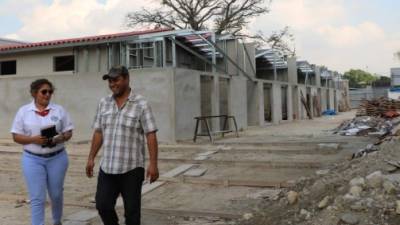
(28, 123)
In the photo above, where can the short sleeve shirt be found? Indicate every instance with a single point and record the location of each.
(123, 132)
(27, 122)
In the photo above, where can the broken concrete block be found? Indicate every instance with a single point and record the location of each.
(306, 214)
(195, 172)
(358, 181)
(375, 179)
(324, 202)
(389, 187)
(350, 218)
(292, 197)
(355, 191)
(394, 178)
(247, 216)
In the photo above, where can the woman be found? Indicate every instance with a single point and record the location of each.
(44, 159)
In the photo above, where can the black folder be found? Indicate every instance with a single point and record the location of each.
(48, 132)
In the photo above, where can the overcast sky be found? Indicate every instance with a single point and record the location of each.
(340, 34)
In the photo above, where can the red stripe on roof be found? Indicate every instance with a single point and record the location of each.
(80, 40)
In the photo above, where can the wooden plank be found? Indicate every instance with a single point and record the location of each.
(179, 170)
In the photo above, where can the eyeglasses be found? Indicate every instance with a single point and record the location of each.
(46, 91)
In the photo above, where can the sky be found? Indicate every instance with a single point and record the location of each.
(339, 34)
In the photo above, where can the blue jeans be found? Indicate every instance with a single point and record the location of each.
(42, 175)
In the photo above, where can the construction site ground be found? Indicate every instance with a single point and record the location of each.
(231, 172)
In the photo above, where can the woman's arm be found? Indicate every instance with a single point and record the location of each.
(25, 140)
(63, 137)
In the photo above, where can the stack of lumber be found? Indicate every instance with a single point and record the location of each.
(377, 107)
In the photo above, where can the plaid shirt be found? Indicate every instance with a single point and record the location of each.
(123, 132)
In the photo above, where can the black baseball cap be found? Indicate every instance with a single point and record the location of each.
(115, 71)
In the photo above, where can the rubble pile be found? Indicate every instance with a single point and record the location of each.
(364, 191)
(382, 106)
(365, 125)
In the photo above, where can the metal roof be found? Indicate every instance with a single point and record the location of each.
(305, 67)
(274, 57)
(200, 41)
(80, 40)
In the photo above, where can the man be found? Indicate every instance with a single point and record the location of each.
(122, 121)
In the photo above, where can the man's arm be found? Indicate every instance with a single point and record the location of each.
(97, 141)
(152, 145)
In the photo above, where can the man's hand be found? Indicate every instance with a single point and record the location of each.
(152, 173)
(89, 168)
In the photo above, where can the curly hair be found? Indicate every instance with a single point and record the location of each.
(37, 84)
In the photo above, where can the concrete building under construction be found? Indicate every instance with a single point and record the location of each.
(183, 73)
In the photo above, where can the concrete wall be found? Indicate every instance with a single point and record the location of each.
(236, 51)
(238, 101)
(187, 100)
(80, 94)
(157, 85)
(28, 63)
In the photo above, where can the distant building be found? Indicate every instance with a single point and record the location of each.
(394, 92)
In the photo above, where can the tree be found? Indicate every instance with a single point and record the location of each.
(382, 81)
(359, 78)
(221, 16)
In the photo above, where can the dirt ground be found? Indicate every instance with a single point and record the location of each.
(272, 157)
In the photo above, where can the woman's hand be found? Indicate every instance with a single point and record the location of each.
(39, 140)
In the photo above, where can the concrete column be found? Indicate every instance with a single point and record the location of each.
(238, 100)
(276, 103)
(215, 102)
(289, 101)
(317, 76)
(337, 97)
(313, 93)
(174, 59)
(252, 103)
(260, 103)
(292, 70)
(331, 99)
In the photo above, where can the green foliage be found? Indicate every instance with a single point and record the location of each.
(359, 78)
